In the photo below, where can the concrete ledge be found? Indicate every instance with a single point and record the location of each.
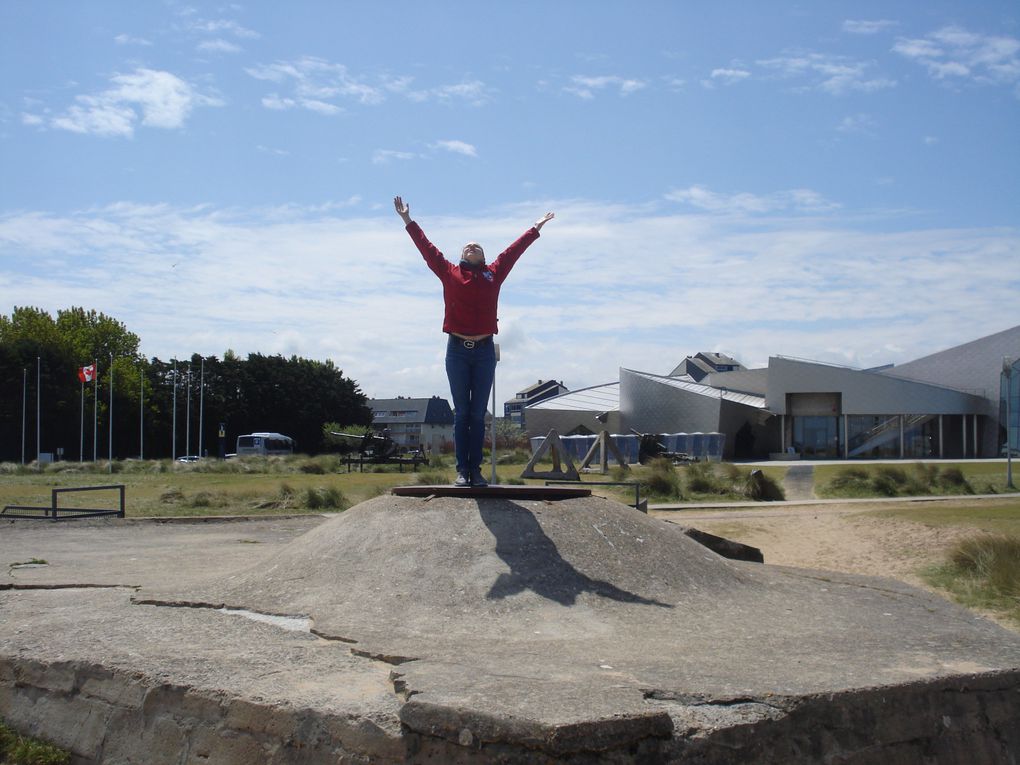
(105, 715)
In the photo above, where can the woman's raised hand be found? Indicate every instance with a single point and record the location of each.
(403, 210)
(538, 225)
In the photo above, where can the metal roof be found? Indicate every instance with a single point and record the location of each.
(747, 399)
(598, 398)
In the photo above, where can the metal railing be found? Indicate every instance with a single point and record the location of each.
(639, 504)
(56, 513)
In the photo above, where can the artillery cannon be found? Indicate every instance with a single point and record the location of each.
(379, 449)
(650, 448)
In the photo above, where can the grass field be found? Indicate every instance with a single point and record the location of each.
(263, 486)
(997, 516)
(847, 480)
(260, 486)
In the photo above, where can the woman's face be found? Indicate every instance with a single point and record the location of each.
(473, 253)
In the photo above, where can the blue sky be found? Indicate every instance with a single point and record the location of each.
(836, 181)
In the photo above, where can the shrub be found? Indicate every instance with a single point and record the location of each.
(953, 480)
(330, 498)
(952, 476)
(171, 495)
(620, 473)
(761, 487)
(286, 490)
(995, 559)
(661, 479)
(430, 478)
(885, 486)
(847, 478)
(513, 457)
(892, 473)
(926, 474)
(983, 572)
(701, 479)
(732, 473)
(312, 467)
(201, 499)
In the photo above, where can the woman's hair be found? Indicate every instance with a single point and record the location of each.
(472, 247)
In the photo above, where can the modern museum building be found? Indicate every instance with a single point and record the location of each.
(951, 404)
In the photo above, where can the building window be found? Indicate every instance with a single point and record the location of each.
(874, 436)
(817, 436)
(921, 435)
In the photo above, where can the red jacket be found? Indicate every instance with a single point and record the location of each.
(470, 294)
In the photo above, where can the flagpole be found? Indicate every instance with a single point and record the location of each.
(81, 432)
(95, 409)
(141, 413)
(24, 409)
(201, 408)
(38, 409)
(173, 449)
(111, 412)
(187, 421)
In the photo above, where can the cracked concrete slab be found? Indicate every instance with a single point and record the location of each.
(482, 630)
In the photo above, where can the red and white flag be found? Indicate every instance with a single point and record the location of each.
(87, 374)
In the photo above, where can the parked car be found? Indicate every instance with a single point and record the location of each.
(189, 458)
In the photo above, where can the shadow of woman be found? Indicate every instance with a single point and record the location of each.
(535, 563)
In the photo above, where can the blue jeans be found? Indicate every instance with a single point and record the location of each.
(471, 371)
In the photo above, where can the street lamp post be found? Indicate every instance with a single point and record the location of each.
(1007, 372)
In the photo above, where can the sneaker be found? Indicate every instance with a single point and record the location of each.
(477, 479)
(462, 481)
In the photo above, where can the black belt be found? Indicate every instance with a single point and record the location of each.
(469, 344)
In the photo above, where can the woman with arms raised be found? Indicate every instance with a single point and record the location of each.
(471, 292)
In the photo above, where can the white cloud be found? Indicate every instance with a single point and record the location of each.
(218, 45)
(315, 84)
(473, 92)
(123, 39)
(31, 119)
(744, 203)
(225, 26)
(725, 77)
(864, 124)
(316, 282)
(955, 53)
(271, 150)
(930, 140)
(152, 97)
(861, 27)
(586, 87)
(832, 74)
(273, 101)
(457, 147)
(384, 156)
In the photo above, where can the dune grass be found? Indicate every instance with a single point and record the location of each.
(16, 749)
(847, 480)
(982, 572)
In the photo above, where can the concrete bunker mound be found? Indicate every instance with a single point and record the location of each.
(398, 568)
(489, 630)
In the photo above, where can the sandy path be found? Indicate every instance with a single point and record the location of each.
(834, 537)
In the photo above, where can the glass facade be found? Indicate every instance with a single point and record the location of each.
(817, 437)
(1010, 386)
(921, 436)
(873, 436)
